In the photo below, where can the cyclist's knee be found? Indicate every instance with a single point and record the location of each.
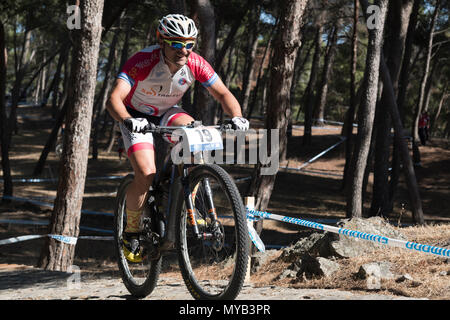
(145, 175)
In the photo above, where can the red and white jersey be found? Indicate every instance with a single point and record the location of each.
(153, 88)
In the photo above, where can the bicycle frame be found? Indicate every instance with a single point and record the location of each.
(182, 211)
(179, 182)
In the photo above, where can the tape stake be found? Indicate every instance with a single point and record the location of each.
(250, 205)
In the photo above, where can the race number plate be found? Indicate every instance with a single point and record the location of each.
(203, 138)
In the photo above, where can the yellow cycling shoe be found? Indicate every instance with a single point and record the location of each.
(131, 249)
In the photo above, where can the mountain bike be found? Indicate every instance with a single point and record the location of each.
(194, 209)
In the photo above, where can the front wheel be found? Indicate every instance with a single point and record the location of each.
(213, 262)
(140, 277)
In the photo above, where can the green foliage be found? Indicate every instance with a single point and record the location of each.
(46, 22)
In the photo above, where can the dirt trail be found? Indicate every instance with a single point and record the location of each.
(316, 195)
(36, 284)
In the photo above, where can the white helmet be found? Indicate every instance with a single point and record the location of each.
(177, 26)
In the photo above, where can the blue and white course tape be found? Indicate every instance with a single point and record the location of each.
(252, 214)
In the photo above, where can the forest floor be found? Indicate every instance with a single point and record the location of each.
(312, 193)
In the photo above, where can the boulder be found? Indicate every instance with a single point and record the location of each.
(348, 247)
(316, 267)
(316, 244)
(261, 258)
(382, 270)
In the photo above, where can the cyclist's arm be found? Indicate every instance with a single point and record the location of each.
(229, 103)
(115, 104)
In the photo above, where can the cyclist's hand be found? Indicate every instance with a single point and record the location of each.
(240, 123)
(136, 125)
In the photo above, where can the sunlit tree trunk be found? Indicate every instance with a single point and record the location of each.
(287, 42)
(347, 128)
(397, 21)
(419, 107)
(366, 114)
(56, 254)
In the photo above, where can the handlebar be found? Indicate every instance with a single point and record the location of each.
(194, 124)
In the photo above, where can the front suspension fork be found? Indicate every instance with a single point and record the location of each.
(189, 198)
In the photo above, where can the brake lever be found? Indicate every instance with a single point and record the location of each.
(226, 127)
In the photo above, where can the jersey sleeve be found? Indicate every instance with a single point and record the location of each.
(129, 70)
(202, 70)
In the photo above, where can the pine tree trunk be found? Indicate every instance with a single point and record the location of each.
(402, 89)
(444, 96)
(428, 87)
(410, 177)
(419, 107)
(58, 255)
(230, 37)
(347, 128)
(393, 48)
(366, 114)
(63, 57)
(248, 74)
(287, 42)
(298, 69)
(308, 99)
(99, 105)
(406, 63)
(56, 76)
(6, 168)
(205, 104)
(260, 76)
(21, 71)
(51, 140)
(319, 109)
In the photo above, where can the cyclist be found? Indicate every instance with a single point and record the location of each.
(147, 91)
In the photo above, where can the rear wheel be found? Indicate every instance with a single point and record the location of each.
(213, 266)
(140, 277)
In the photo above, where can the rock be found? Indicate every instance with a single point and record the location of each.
(287, 274)
(316, 266)
(410, 281)
(328, 267)
(405, 277)
(347, 247)
(261, 258)
(315, 244)
(333, 245)
(377, 269)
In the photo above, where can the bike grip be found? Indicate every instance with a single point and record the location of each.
(149, 128)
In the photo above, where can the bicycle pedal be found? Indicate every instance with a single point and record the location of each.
(200, 222)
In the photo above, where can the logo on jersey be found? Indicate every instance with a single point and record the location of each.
(150, 92)
(182, 81)
(149, 109)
